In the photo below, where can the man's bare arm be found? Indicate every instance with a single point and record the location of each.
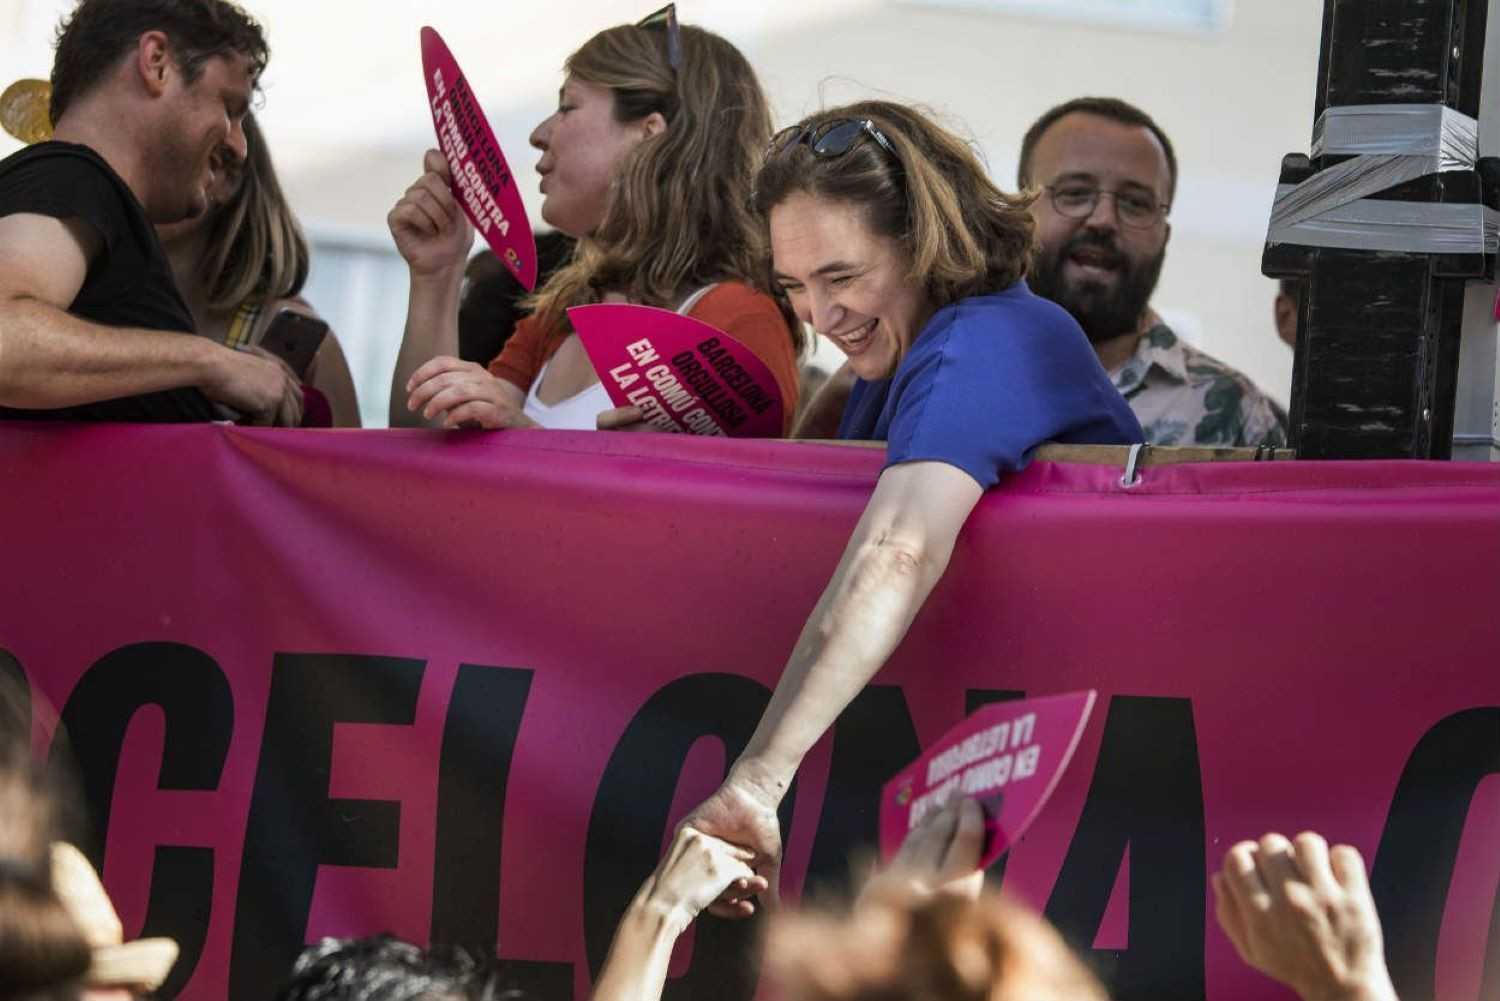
(50, 358)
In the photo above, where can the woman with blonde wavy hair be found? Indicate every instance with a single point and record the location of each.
(887, 236)
(648, 161)
(244, 260)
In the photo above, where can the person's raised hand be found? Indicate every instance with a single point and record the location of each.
(1302, 914)
(466, 394)
(696, 869)
(427, 223)
(941, 854)
(744, 814)
(253, 382)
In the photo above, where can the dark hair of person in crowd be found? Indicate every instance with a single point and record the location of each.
(1111, 108)
(493, 299)
(42, 952)
(900, 945)
(255, 248)
(965, 236)
(384, 968)
(92, 39)
(678, 217)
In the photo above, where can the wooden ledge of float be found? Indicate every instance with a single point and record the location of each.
(1117, 455)
(1157, 455)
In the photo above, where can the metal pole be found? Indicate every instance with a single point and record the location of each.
(1376, 367)
(1476, 420)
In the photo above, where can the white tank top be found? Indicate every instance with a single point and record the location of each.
(580, 412)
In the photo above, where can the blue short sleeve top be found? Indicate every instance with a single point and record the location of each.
(987, 380)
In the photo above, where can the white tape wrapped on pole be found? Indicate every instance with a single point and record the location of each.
(1391, 144)
(1431, 130)
(1402, 227)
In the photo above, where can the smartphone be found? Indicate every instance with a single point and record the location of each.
(294, 338)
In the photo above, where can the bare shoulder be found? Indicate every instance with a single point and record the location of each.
(45, 258)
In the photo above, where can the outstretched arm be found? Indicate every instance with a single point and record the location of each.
(50, 358)
(1302, 914)
(896, 556)
(695, 870)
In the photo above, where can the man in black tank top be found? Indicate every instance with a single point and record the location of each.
(148, 100)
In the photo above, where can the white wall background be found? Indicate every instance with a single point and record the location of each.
(344, 107)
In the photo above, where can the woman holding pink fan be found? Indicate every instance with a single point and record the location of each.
(648, 160)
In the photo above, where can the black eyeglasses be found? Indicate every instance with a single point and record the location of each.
(829, 139)
(666, 17)
(1076, 200)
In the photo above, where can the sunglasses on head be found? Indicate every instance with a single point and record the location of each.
(666, 18)
(829, 139)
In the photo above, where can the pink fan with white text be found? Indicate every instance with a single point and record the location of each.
(482, 181)
(1008, 756)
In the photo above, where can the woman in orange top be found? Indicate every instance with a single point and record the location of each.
(648, 160)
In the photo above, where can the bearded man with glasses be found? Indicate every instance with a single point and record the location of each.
(1107, 176)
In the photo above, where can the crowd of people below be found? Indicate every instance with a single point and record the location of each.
(925, 927)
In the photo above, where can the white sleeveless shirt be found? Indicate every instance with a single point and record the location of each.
(580, 412)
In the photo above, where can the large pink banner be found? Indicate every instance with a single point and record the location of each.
(460, 685)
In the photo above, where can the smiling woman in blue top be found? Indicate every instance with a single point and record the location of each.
(887, 236)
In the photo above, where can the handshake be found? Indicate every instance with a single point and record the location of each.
(1295, 910)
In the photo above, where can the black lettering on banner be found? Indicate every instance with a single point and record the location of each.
(975, 699)
(1489, 984)
(1413, 867)
(181, 911)
(1147, 793)
(198, 707)
(873, 739)
(629, 819)
(15, 699)
(294, 825)
(479, 737)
